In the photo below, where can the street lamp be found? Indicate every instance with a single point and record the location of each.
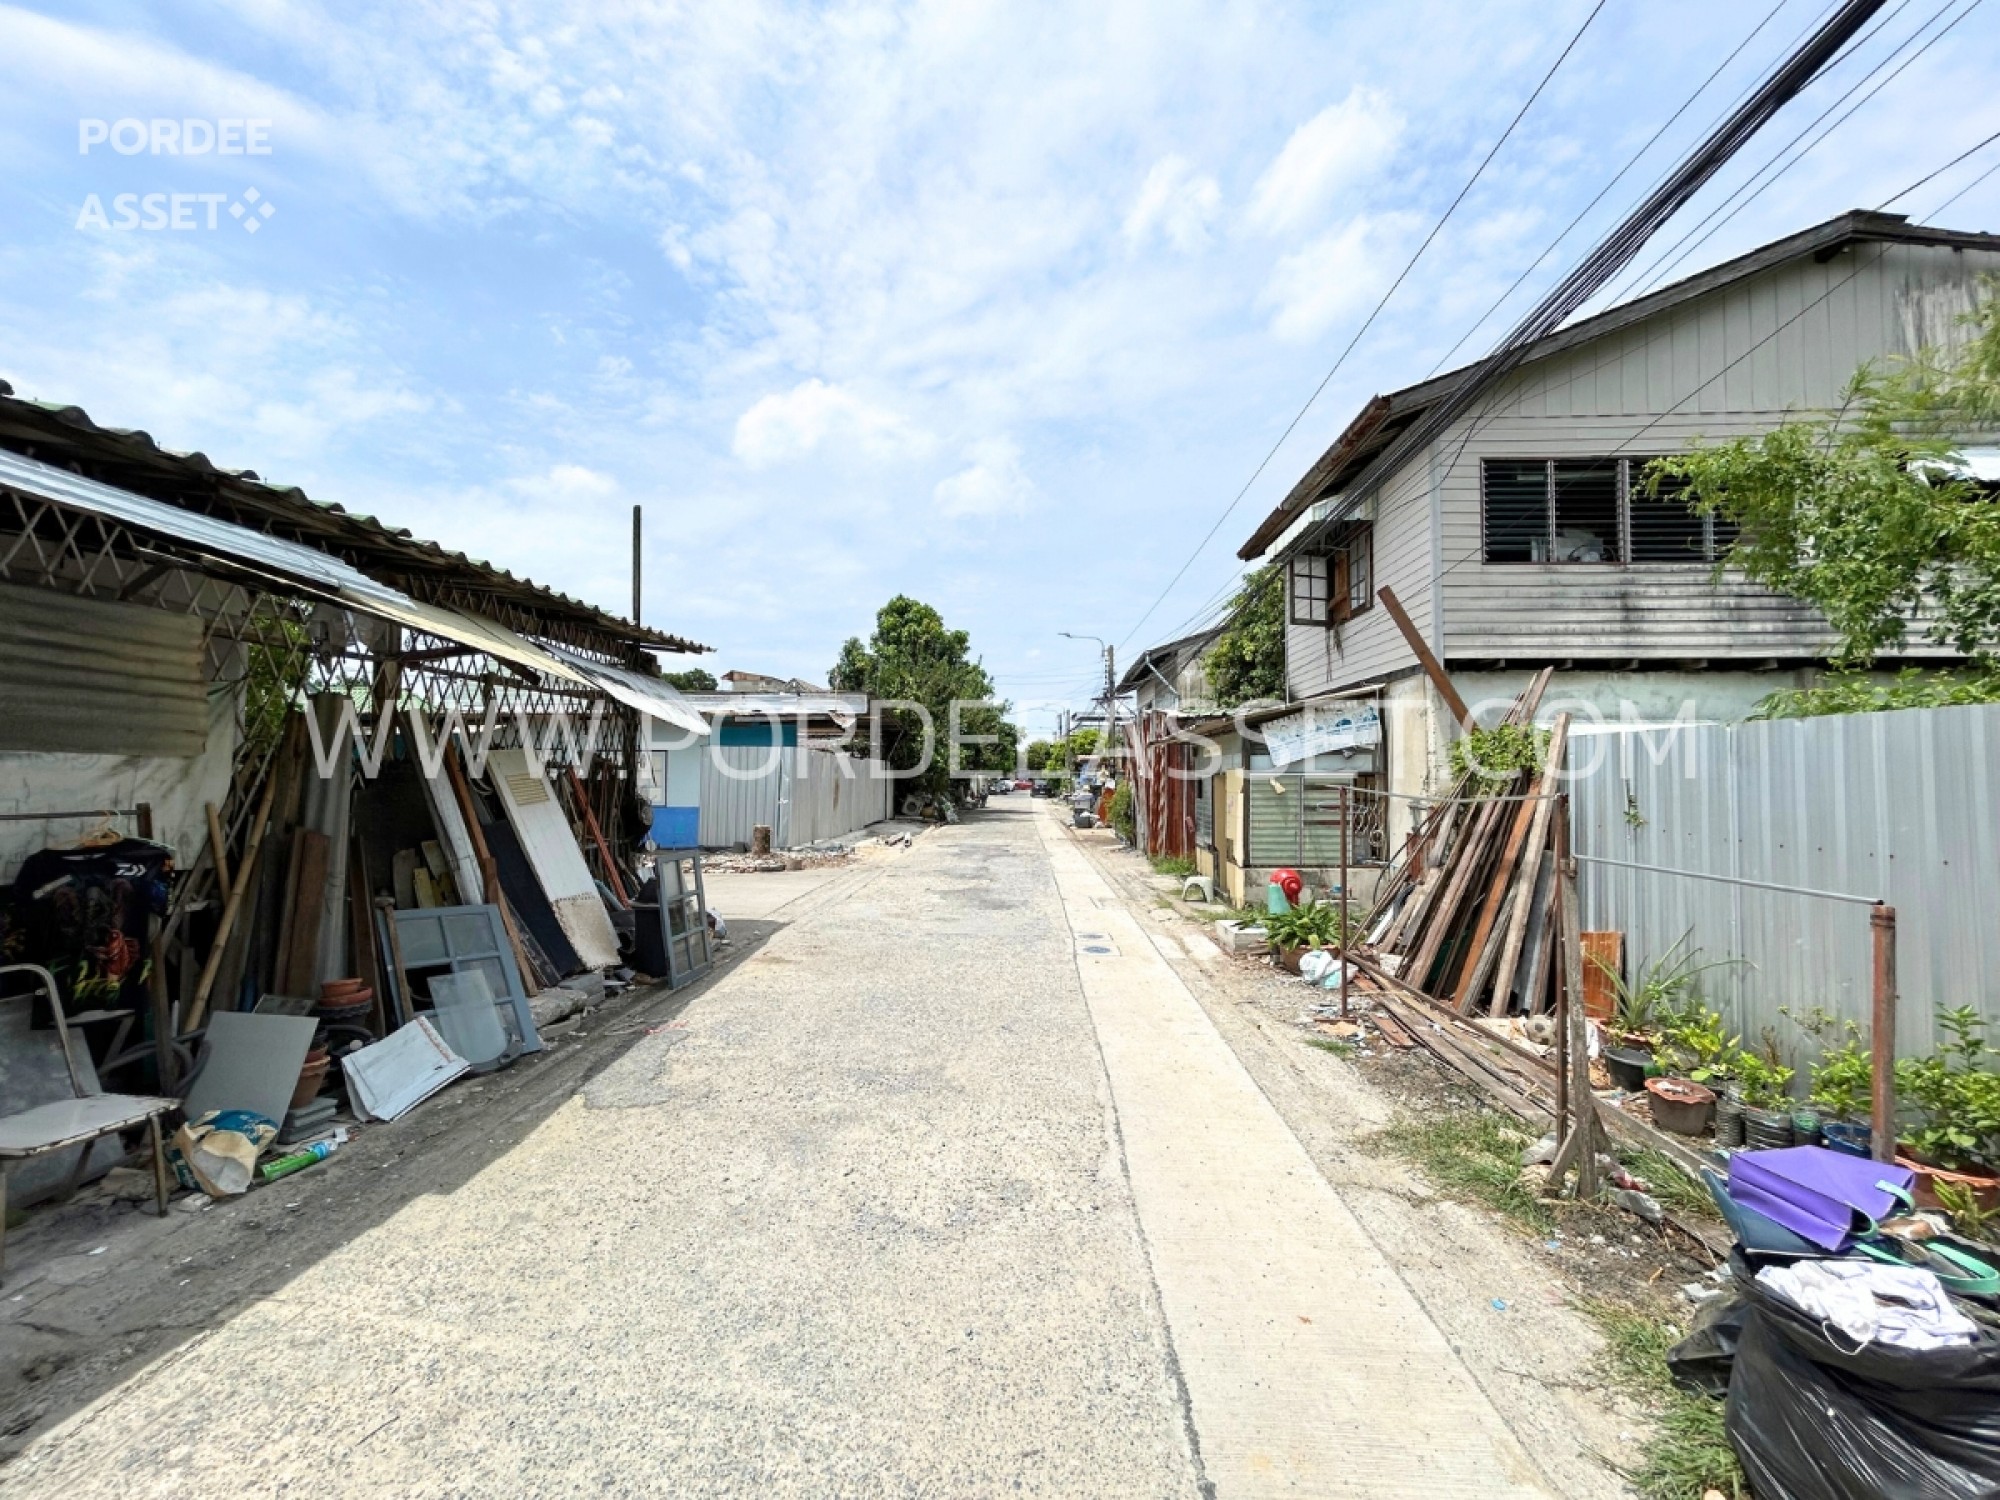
(1109, 680)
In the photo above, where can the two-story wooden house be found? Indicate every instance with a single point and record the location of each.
(1519, 538)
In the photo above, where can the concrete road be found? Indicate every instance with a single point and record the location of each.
(926, 1197)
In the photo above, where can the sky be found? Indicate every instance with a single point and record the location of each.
(997, 305)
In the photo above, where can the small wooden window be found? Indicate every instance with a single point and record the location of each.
(1334, 581)
(1306, 586)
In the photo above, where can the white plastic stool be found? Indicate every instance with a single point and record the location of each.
(1202, 885)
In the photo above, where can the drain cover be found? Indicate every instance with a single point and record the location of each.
(1096, 948)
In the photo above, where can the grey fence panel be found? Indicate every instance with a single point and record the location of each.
(741, 786)
(834, 794)
(1901, 807)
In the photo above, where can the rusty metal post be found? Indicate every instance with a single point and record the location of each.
(1882, 1032)
(1346, 833)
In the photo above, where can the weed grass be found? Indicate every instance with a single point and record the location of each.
(1331, 1044)
(1689, 1453)
(1473, 1155)
(1477, 1156)
(1671, 1186)
(1174, 864)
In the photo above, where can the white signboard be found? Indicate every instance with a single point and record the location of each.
(1315, 731)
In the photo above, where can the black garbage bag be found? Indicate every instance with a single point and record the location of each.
(1701, 1362)
(1812, 1420)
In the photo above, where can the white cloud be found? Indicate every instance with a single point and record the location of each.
(1336, 148)
(1175, 201)
(991, 485)
(1335, 274)
(782, 427)
(566, 484)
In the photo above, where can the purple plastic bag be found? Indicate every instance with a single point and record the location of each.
(1820, 1195)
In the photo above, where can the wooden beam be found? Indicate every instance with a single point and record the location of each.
(1433, 668)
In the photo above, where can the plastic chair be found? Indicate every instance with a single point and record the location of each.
(77, 1121)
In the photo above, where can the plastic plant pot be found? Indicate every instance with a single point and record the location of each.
(1848, 1137)
(1628, 1066)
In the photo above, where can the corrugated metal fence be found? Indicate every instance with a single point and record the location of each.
(833, 795)
(803, 794)
(1903, 807)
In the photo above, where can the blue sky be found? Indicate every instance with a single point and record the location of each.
(997, 305)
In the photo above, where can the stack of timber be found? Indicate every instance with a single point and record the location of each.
(1468, 914)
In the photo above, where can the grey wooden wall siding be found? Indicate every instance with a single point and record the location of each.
(1738, 360)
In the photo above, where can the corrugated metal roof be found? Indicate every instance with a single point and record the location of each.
(1362, 443)
(44, 423)
(327, 576)
(648, 695)
(842, 708)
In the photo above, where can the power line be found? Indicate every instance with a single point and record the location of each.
(1968, 151)
(1651, 141)
(1220, 599)
(1615, 251)
(1675, 255)
(1366, 323)
(1963, 191)
(1417, 479)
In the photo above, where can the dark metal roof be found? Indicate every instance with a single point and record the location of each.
(1384, 417)
(1157, 656)
(132, 460)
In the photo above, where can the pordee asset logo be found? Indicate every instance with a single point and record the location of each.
(175, 211)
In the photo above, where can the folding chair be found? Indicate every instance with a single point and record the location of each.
(77, 1121)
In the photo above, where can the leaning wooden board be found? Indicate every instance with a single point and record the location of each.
(546, 838)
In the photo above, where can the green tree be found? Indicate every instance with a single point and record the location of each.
(693, 680)
(1865, 515)
(1248, 659)
(912, 657)
(1040, 753)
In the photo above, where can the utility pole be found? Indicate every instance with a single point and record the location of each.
(637, 511)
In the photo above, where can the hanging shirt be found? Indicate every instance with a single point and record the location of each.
(81, 914)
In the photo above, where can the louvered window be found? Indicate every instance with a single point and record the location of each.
(1590, 510)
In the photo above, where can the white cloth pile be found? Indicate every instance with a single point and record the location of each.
(1873, 1303)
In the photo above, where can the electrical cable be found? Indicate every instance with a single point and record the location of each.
(1633, 161)
(1246, 603)
(1675, 255)
(1968, 151)
(1366, 323)
(1963, 191)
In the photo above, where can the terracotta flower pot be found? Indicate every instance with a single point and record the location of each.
(1680, 1105)
(311, 1076)
(334, 989)
(1288, 958)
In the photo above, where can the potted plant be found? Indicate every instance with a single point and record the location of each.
(1647, 1013)
(1767, 1102)
(1843, 1091)
(1290, 933)
(1954, 1098)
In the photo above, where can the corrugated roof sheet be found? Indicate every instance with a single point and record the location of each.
(36, 422)
(327, 576)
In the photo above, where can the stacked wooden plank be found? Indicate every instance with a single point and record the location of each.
(1469, 913)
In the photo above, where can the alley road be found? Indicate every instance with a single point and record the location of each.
(951, 1189)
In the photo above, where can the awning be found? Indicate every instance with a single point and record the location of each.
(648, 695)
(327, 577)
